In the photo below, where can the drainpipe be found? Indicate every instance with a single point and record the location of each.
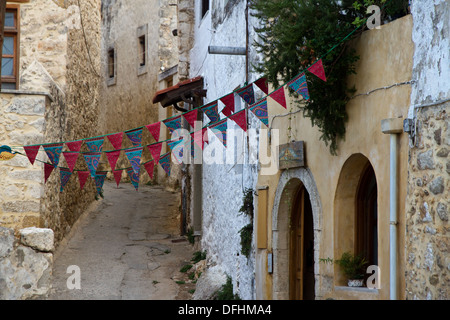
(393, 127)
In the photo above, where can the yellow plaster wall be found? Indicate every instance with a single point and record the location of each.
(385, 59)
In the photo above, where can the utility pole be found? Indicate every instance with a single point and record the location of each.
(2, 27)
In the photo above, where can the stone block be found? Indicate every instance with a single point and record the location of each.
(437, 185)
(21, 206)
(37, 238)
(425, 160)
(6, 241)
(27, 106)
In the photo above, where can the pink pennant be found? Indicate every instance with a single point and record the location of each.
(262, 84)
(48, 168)
(279, 96)
(318, 70)
(149, 166)
(155, 150)
(74, 146)
(113, 156)
(191, 117)
(71, 159)
(32, 152)
(240, 119)
(117, 176)
(200, 138)
(116, 140)
(82, 177)
(228, 100)
(154, 129)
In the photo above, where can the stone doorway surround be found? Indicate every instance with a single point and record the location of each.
(290, 181)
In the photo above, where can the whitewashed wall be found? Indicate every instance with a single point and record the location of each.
(223, 184)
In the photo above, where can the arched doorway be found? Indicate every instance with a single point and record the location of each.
(301, 248)
(296, 191)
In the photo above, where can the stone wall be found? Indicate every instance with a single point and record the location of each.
(22, 122)
(427, 203)
(25, 263)
(57, 100)
(224, 25)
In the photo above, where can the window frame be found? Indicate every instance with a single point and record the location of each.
(142, 49)
(111, 59)
(13, 32)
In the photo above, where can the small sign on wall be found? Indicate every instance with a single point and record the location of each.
(291, 155)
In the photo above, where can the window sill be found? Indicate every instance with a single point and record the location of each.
(356, 289)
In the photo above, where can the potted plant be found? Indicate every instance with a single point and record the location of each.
(353, 268)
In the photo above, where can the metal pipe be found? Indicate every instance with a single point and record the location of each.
(393, 216)
(237, 51)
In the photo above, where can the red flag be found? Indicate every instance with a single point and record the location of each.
(240, 119)
(154, 129)
(82, 177)
(155, 150)
(116, 140)
(279, 96)
(191, 117)
(74, 146)
(149, 166)
(71, 159)
(228, 100)
(117, 176)
(317, 69)
(262, 84)
(48, 168)
(112, 158)
(32, 152)
(200, 137)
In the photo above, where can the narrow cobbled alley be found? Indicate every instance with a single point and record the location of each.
(127, 247)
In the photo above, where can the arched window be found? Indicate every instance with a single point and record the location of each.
(367, 216)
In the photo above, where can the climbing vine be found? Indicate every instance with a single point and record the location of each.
(246, 232)
(294, 34)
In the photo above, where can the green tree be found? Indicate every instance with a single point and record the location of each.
(293, 35)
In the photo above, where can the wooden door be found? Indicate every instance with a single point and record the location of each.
(296, 247)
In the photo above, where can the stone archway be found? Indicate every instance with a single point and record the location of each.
(290, 182)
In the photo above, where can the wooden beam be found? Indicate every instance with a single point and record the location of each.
(2, 28)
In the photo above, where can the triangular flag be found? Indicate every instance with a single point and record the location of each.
(177, 149)
(100, 180)
(65, 176)
(173, 123)
(200, 137)
(92, 160)
(279, 96)
(191, 117)
(48, 168)
(260, 110)
(155, 129)
(211, 111)
(155, 150)
(74, 146)
(117, 176)
(95, 144)
(228, 100)
(299, 85)
(53, 152)
(240, 119)
(135, 136)
(318, 70)
(247, 94)
(262, 84)
(32, 152)
(220, 130)
(113, 156)
(134, 177)
(116, 140)
(71, 159)
(164, 161)
(149, 167)
(82, 177)
(134, 156)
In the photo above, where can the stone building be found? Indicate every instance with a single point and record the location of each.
(50, 92)
(427, 258)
